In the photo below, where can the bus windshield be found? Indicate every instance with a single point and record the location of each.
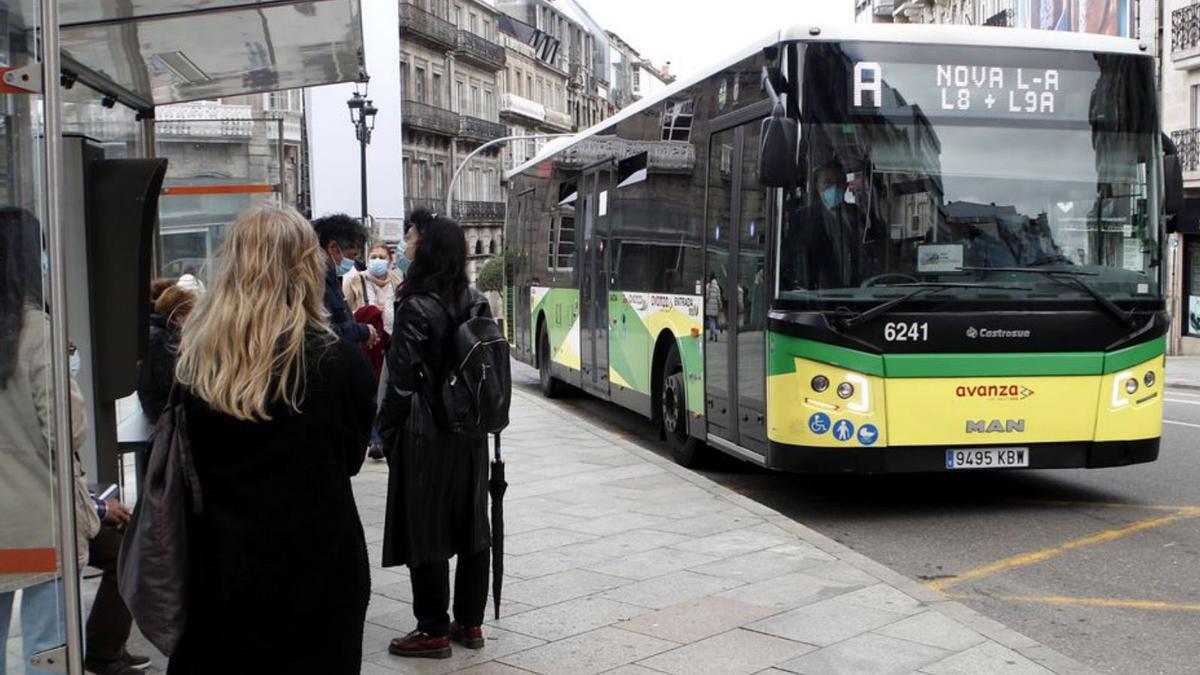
(975, 167)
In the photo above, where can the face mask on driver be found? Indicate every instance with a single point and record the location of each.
(831, 197)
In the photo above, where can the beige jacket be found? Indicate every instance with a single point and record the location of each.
(384, 297)
(26, 471)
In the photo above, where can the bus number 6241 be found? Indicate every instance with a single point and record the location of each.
(899, 331)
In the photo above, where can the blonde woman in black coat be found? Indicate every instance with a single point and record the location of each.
(278, 412)
(437, 492)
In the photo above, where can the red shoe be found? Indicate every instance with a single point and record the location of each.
(470, 637)
(421, 645)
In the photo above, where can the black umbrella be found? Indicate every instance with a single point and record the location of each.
(496, 486)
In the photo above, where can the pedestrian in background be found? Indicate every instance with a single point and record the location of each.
(156, 373)
(109, 623)
(371, 296)
(437, 488)
(157, 286)
(26, 429)
(341, 237)
(278, 413)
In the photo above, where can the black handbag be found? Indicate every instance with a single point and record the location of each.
(153, 566)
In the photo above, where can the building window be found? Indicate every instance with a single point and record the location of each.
(528, 86)
(1194, 99)
(437, 89)
(562, 244)
(475, 101)
(403, 80)
(492, 247)
(474, 23)
(458, 22)
(478, 247)
(458, 96)
(439, 180)
(419, 83)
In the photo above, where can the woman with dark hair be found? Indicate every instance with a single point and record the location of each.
(437, 490)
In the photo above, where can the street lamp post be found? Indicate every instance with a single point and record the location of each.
(476, 151)
(362, 115)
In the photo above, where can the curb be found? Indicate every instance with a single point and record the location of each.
(1191, 386)
(989, 628)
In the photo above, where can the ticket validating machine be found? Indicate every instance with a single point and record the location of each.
(110, 211)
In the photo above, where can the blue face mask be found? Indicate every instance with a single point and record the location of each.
(831, 196)
(377, 267)
(345, 266)
(402, 263)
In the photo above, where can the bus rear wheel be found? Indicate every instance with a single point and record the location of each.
(686, 450)
(551, 386)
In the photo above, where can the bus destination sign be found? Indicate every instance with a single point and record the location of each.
(969, 90)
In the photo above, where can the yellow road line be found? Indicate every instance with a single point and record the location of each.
(1104, 505)
(1047, 553)
(1087, 602)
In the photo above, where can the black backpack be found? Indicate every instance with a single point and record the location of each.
(476, 388)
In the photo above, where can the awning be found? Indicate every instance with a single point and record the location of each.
(146, 53)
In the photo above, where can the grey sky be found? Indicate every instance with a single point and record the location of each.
(694, 33)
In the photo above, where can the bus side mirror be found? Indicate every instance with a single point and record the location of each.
(1172, 184)
(777, 165)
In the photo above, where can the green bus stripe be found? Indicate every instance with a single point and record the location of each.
(1132, 356)
(994, 365)
(785, 349)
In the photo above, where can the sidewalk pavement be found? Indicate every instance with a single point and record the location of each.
(620, 561)
(1183, 372)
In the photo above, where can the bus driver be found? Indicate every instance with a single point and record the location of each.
(829, 242)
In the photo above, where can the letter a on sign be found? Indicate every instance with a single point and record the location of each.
(873, 85)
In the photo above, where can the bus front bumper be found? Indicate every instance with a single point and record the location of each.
(932, 459)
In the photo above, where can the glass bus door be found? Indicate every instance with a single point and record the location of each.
(595, 191)
(735, 295)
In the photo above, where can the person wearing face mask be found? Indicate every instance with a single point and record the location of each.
(340, 237)
(832, 236)
(376, 286)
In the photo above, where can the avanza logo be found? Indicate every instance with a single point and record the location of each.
(1010, 392)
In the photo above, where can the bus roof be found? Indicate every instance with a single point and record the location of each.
(971, 36)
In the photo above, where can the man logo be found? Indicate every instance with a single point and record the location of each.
(995, 426)
(972, 333)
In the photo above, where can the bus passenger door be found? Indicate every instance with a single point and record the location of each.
(735, 289)
(595, 193)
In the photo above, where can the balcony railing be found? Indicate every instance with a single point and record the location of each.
(476, 129)
(480, 51)
(511, 104)
(425, 117)
(1187, 141)
(1185, 37)
(204, 119)
(466, 210)
(417, 23)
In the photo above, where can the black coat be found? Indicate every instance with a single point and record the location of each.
(156, 372)
(280, 574)
(437, 488)
(341, 319)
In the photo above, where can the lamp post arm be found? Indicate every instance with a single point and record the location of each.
(476, 151)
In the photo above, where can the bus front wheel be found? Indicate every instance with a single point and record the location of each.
(685, 449)
(551, 386)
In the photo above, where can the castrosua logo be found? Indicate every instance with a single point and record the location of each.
(992, 333)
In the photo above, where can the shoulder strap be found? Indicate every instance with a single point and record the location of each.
(366, 299)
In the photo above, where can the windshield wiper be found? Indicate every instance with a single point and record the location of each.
(924, 288)
(1069, 278)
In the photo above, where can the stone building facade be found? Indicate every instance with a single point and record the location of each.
(450, 73)
(534, 98)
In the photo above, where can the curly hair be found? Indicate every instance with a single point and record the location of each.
(341, 229)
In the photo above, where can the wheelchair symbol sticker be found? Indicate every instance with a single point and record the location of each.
(868, 434)
(843, 430)
(818, 423)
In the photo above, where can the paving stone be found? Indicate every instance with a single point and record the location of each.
(708, 524)
(789, 591)
(988, 657)
(541, 540)
(529, 521)
(500, 643)
(632, 669)
(735, 652)
(555, 588)
(594, 652)
(491, 668)
(696, 508)
(623, 544)
(757, 566)
(696, 620)
(571, 618)
(381, 604)
(882, 596)
(826, 622)
(652, 563)
(734, 542)
(870, 653)
(613, 523)
(670, 589)
(836, 570)
(934, 629)
(542, 563)
(376, 638)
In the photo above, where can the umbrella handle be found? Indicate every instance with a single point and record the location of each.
(496, 438)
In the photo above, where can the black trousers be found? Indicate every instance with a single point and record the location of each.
(109, 623)
(431, 593)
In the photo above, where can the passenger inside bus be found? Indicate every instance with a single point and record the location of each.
(829, 242)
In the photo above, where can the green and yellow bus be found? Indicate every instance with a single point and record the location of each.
(865, 249)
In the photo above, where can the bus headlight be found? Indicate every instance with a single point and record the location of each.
(820, 383)
(1131, 386)
(845, 390)
(1149, 379)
